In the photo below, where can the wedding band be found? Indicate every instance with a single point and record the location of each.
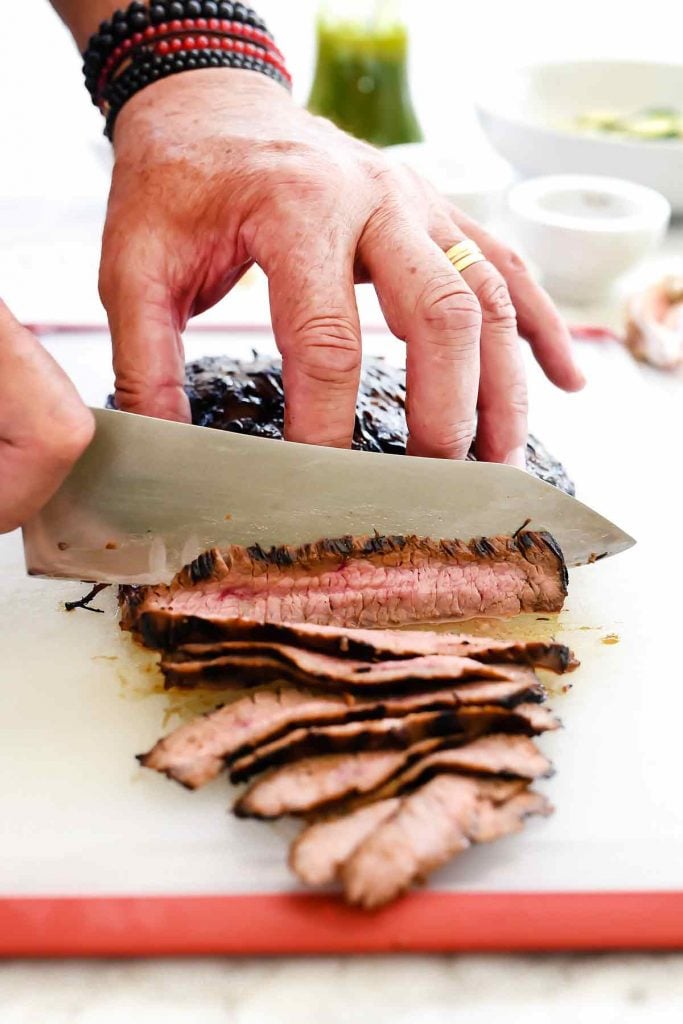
(465, 254)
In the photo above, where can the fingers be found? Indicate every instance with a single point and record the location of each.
(147, 346)
(44, 426)
(502, 402)
(317, 330)
(538, 319)
(502, 425)
(429, 305)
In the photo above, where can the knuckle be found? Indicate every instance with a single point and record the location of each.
(453, 441)
(447, 305)
(327, 349)
(511, 264)
(496, 303)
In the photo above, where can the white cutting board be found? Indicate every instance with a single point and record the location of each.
(78, 700)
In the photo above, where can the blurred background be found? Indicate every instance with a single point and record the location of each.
(55, 162)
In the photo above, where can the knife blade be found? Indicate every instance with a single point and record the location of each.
(149, 495)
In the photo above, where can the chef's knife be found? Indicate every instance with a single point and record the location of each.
(148, 496)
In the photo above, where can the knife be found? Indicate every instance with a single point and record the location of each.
(149, 495)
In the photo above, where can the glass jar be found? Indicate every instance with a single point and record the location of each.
(361, 75)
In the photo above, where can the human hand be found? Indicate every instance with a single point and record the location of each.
(215, 169)
(44, 426)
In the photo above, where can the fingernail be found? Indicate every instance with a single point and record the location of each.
(517, 457)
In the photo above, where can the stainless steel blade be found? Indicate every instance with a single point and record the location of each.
(148, 496)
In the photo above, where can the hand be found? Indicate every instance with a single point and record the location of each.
(44, 426)
(215, 169)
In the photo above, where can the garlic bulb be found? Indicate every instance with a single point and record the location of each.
(654, 328)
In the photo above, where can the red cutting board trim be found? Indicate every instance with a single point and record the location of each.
(295, 923)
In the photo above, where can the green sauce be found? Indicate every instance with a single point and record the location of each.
(361, 81)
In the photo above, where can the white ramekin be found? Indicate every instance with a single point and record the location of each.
(583, 232)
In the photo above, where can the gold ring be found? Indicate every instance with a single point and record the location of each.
(465, 254)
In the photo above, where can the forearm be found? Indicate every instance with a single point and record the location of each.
(83, 16)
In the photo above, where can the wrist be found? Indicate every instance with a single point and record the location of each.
(170, 104)
(147, 42)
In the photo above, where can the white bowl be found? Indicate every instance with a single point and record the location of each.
(476, 186)
(528, 115)
(583, 232)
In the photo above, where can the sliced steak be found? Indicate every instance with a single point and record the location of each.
(506, 755)
(389, 733)
(366, 581)
(431, 826)
(196, 752)
(376, 644)
(251, 665)
(313, 782)
(247, 397)
(320, 849)
(207, 638)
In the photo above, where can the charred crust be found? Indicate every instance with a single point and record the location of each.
(554, 547)
(483, 546)
(204, 566)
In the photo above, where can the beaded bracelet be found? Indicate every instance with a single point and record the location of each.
(147, 42)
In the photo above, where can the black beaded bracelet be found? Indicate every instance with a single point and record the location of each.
(147, 42)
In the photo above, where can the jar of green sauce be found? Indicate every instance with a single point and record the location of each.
(361, 75)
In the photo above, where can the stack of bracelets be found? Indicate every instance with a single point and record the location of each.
(147, 42)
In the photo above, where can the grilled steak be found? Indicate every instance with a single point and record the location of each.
(388, 733)
(432, 825)
(206, 638)
(250, 665)
(503, 754)
(313, 782)
(196, 752)
(247, 397)
(366, 581)
(377, 645)
(320, 849)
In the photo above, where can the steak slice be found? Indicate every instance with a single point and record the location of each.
(313, 782)
(247, 397)
(506, 755)
(375, 644)
(432, 825)
(209, 637)
(319, 851)
(365, 581)
(321, 848)
(250, 665)
(388, 733)
(197, 751)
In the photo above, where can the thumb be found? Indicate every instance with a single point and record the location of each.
(148, 356)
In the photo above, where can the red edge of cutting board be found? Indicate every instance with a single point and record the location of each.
(298, 923)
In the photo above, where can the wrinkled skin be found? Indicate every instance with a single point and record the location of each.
(44, 426)
(215, 170)
(218, 169)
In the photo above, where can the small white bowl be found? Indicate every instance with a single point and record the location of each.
(583, 232)
(528, 114)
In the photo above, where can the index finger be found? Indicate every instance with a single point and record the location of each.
(148, 353)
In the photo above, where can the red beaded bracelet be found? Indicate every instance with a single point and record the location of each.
(141, 45)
